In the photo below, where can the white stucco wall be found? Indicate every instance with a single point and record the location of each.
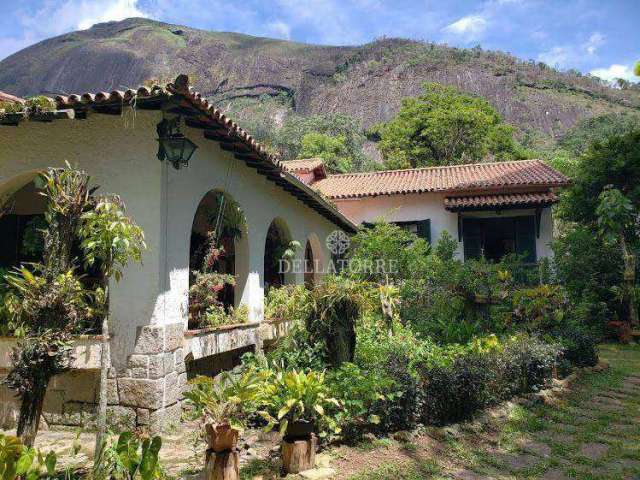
(119, 152)
(402, 208)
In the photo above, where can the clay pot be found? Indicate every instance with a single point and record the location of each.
(301, 429)
(221, 436)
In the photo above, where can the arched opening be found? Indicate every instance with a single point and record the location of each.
(277, 249)
(309, 266)
(22, 208)
(217, 257)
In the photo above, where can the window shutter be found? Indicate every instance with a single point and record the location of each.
(424, 230)
(472, 238)
(526, 238)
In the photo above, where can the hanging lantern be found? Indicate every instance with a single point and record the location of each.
(173, 145)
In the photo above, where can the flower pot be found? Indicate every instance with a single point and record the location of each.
(300, 429)
(221, 436)
(12, 119)
(481, 299)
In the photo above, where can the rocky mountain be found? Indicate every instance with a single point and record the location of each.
(265, 78)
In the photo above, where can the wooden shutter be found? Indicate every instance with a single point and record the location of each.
(424, 230)
(472, 238)
(525, 233)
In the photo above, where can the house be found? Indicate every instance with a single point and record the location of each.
(492, 209)
(114, 137)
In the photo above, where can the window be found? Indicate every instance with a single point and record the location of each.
(422, 228)
(496, 237)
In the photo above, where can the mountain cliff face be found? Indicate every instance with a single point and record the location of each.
(252, 76)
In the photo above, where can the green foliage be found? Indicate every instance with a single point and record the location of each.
(588, 268)
(289, 302)
(130, 457)
(616, 215)
(540, 308)
(19, 461)
(40, 103)
(205, 308)
(362, 395)
(443, 127)
(227, 399)
(293, 396)
(401, 253)
(11, 107)
(332, 150)
(614, 162)
(335, 308)
(109, 238)
(33, 239)
(597, 129)
(336, 137)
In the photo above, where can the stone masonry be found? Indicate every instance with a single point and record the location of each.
(148, 391)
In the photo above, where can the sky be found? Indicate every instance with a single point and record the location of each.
(601, 37)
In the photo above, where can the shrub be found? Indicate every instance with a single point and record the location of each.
(129, 457)
(290, 302)
(335, 307)
(580, 346)
(540, 308)
(364, 395)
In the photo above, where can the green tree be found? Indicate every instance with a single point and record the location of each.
(605, 196)
(443, 127)
(636, 70)
(599, 128)
(109, 241)
(333, 150)
(289, 139)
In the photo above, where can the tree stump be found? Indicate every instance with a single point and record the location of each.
(222, 465)
(299, 455)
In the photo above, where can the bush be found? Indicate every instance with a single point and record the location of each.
(580, 346)
(290, 302)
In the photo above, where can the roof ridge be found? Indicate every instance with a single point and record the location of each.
(438, 167)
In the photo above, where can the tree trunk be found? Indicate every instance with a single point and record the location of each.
(299, 455)
(629, 310)
(222, 466)
(29, 419)
(105, 362)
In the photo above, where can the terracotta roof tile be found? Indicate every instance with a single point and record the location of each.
(455, 178)
(5, 97)
(303, 164)
(500, 200)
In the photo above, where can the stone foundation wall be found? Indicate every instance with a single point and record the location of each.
(147, 393)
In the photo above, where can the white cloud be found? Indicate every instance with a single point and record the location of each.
(616, 71)
(556, 56)
(56, 18)
(595, 41)
(470, 26)
(279, 29)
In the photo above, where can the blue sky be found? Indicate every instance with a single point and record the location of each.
(601, 37)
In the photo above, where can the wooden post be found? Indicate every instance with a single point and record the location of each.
(222, 465)
(299, 455)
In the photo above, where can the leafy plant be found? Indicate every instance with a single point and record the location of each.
(130, 457)
(19, 461)
(293, 396)
(227, 399)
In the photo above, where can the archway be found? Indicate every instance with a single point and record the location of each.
(22, 210)
(277, 243)
(313, 261)
(219, 245)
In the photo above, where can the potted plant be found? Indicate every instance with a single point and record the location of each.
(297, 402)
(223, 405)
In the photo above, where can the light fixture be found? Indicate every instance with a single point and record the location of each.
(173, 145)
